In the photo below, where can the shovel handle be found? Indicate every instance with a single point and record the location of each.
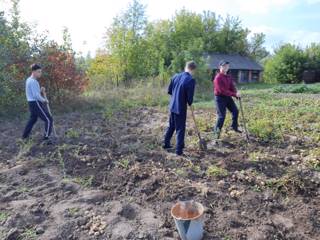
(49, 110)
(194, 120)
(243, 119)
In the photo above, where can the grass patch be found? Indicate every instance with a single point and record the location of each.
(181, 173)
(297, 88)
(28, 234)
(24, 147)
(4, 216)
(314, 160)
(124, 163)
(214, 171)
(72, 133)
(73, 211)
(84, 181)
(23, 190)
(265, 129)
(291, 183)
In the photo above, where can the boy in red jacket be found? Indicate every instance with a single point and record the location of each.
(224, 90)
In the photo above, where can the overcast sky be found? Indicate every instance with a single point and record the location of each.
(296, 21)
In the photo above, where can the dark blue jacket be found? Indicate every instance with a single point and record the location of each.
(181, 89)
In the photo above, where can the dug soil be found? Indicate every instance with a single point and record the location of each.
(110, 179)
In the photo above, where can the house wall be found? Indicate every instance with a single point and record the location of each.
(243, 76)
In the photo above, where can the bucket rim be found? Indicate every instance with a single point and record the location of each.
(200, 207)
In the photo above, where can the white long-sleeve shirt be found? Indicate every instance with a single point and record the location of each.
(33, 92)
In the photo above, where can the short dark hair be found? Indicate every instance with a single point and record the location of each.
(35, 67)
(191, 65)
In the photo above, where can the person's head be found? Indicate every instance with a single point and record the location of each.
(224, 66)
(36, 70)
(191, 67)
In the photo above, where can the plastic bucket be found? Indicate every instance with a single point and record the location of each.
(188, 216)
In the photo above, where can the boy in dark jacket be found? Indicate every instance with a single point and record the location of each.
(224, 90)
(181, 89)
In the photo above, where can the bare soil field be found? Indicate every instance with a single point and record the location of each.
(108, 178)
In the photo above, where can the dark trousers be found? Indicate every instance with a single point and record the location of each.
(177, 122)
(38, 109)
(223, 103)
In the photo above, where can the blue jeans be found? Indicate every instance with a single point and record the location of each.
(177, 122)
(223, 103)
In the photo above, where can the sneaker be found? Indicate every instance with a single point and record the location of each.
(181, 154)
(47, 141)
(167, 147)
(236, 130)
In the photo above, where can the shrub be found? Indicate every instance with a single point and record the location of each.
(286, 65)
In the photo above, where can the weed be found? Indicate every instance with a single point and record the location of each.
(72, 133)
(3, 216)
(314, 159)
(314, 164)
(73, 211)
(28, 234)
(124, 163)
(290, 183)
(84, 181)
(255, 156)
(256, 188)
(265, 129)
(214, 171)
(23, 190)
(24, 147)
(181, 172)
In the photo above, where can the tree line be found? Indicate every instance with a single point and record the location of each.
(136, 48)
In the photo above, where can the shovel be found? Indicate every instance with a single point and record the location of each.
(53, 127)
(244, 120)
(43, 91)
(202, 142)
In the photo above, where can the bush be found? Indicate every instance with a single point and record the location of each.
(286, 65)
(315, 89)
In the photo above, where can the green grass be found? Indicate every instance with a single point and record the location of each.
(4, 216)
(84, 181)
(28, 234)
(214, 171)
(73, 211)
(72, 133)
(298, 88)
(124, 163)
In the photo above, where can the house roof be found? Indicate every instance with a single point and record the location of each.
(236, 61)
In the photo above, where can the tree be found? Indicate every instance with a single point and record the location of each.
(126, 44)
(286, 65)
(313, 56)
(61, 76)
(139, 49)
(232, 37)
(256, 49)
(67, 41)
(211, 26)
(15, 56)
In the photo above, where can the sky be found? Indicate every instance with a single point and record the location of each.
(295, 21)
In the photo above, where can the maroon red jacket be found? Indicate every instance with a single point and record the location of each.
(224, 86)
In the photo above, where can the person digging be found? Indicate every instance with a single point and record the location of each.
(181, 89)
(224, 90)
(36, 104)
